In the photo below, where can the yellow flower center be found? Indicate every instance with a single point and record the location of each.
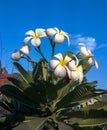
(37, 35)
(79, 68)
(61, 33)
(62, 62)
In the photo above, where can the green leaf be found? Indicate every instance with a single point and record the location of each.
(85, 65)
(97, 106)
(20, 84)
(68, 53)
(62, 91)
(2, 119)
(51, 91)
(16, 93)
(92, 113)
(40, 71)
(93, 122)
(81, 92)
(25, 75)
(36, 124)
(63, 126)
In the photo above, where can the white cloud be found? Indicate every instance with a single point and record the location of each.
(102, 46)
(89, 42)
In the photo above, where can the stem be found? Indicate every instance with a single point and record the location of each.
(40, 52)
(53, 46)
(28, 59)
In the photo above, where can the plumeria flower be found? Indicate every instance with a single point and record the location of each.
(50, 32)
(77, 74)
(16, 55)
(35, 36)
(59, 36)
(84, 52)
(59, 65)
(25, 49)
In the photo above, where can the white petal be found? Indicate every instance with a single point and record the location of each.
(39, 30)
(74, 75)
(25, 49)
(30, 32)
(56, 29)
(80, 75)
(60, 71)
(53, 63)
(67, 36)
(50, 32)
(36, 42)
(90, 61)
(43, 34)
(58, 56)
(27, 39)
(89, 52)
(58, 38)
(72, 65)
(16, 55)
(96, 64)
(84, 51)
(67, 58)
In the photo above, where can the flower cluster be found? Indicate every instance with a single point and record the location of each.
(62, 65)
(35, 37)
(66, 67)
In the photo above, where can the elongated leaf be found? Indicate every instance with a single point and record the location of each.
(16, 93)
(21, 84)
(65, 89)
(81, 92)
(36, 124)
(93, 122)
(85, 114)
(97, 106)
(63, 126)
(40, 71)
(51, 91)
(25, 75)
(2, 119)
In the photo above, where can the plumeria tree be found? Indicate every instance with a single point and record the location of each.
(56, 95)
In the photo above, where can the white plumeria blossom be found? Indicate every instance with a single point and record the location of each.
(35, 36)
(66, 67)
(84, 52)
(76, 75)
(25, 49)
(59, 35)
(50, 32)
(16, 55)
(59, 64)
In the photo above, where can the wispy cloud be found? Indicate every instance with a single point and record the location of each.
(89, 42)
(102, 46)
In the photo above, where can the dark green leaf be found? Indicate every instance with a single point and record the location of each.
(36, 124)
(16, 93)
(81, 92)
(21, 84)
(25, 75)
(93, 122)
(63, 126)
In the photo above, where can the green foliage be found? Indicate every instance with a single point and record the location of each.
(39, 100)
(55, 101)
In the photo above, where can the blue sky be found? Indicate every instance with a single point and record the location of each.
(84, 20)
